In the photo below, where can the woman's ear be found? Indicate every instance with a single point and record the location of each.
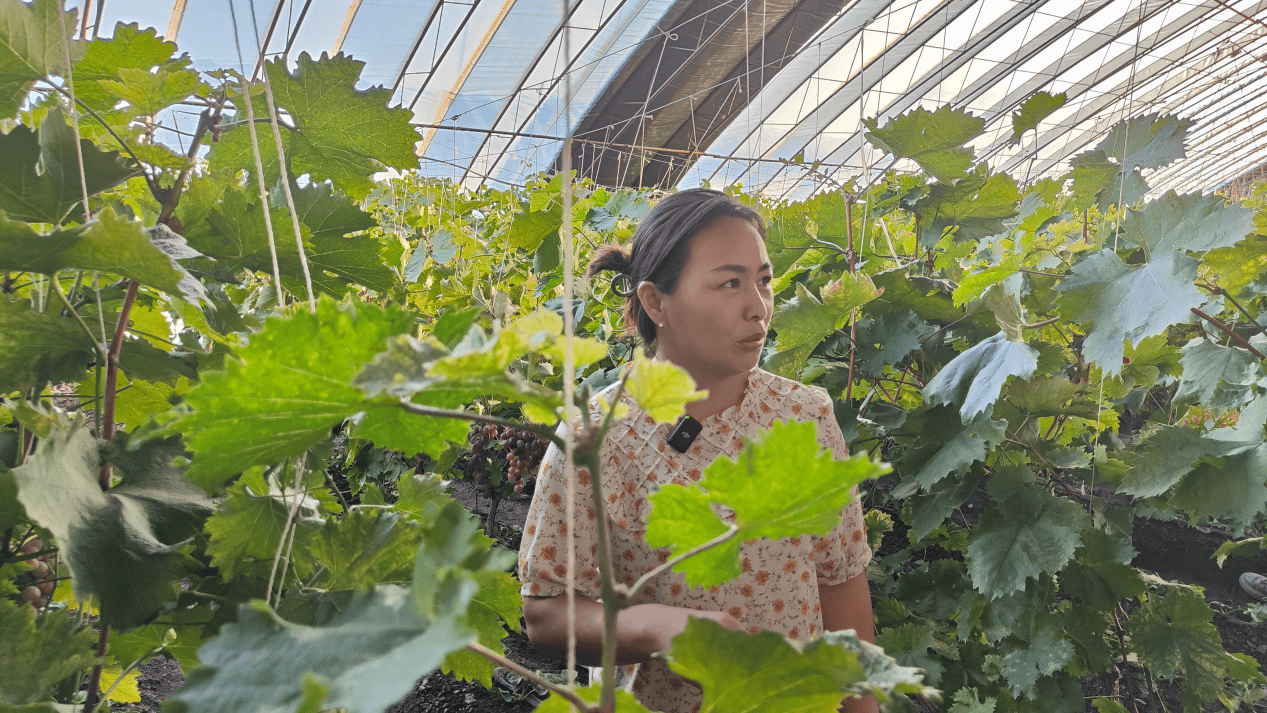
(651, 301)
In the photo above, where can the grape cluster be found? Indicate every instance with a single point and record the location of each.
(38, 582)
(517, 452)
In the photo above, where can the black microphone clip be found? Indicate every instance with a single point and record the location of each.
(684, 433)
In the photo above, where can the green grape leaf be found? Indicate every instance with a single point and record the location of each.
(248, 526)
(1169, 454)
(1021, 536)
(1033, 110)
(1147, 141)
(965, 700)
(1101, 572)
(934, 140)
(886, 339)
(661, 388)
(909, 645)
(1098, 181)
(943, 445)
(39, 347)
(1174, 632)
(148, 92)
(975, 378)
(1043, 656)
(1232, 490)
(1234, 268)
(496, 606)
(39, 171)
(1141, 299)
(802, 324)
(32, 38)
(121, 545)
(129, 47)
(340, 134)
(39, 652)
(178, 635)
(1128, 301)
(1206, 364)
(109, 243)
(365, 548)
(327, 212)
(529, 231)
(978, 206)
(276, 401)
(367, 658)
(767, 500)
(755, 673)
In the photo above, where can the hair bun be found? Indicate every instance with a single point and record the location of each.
(610, 257)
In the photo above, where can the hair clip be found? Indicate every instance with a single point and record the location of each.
(622, 284)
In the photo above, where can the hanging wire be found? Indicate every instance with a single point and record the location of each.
(281, 162)
(569, 353)
(259, 165)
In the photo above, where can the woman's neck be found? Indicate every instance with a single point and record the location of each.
(723, 393)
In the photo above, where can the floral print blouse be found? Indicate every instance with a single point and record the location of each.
(778, 589)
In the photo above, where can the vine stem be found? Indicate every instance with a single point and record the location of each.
(1220, 291)
(853, 313)
(1121, 641)
(506, 663)
(1229, 332)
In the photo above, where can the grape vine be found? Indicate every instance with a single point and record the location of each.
(1041, 361)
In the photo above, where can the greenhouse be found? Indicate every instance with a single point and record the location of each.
(478, 356)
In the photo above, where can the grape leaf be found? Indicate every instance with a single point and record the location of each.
(149, 92)
(129, 47)
(39, 172)
(755, 673)
(1101, 572)
(802, 324)
(1169, 454)
(39, 653)
(781, 485)
(1024, 533)
(39, 347)
(661, 388)
(1147, 141)
(943, 445)
(367, 658)
(31, 47)
(121, 545)
(109, 243)
(365, 548)
(1175, 632)
(966, 701)
(1043, 656)
(1140, 299)
(1206, 364)
(1231, 490)
(909, 645)
(277, 401)
(975, 378)
(934, 140)
(340, 134)
(528, 231)
(1033, 110)
(886, 339)
(1236, 267)
(978, 206)
(248, 526)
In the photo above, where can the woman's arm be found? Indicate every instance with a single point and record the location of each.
(641, 630)
(848, 606)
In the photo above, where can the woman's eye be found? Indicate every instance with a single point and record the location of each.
(731, 283)
(767, 280)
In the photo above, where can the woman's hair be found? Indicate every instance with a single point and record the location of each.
(661, 247)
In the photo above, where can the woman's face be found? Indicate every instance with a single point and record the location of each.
(715, 321)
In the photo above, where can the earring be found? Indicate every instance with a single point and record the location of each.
(660, 325)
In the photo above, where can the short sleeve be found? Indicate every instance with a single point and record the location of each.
(843, 553)
(543, 560)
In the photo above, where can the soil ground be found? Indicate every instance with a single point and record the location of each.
(1171, 550)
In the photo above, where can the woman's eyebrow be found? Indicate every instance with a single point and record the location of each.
(741, 269)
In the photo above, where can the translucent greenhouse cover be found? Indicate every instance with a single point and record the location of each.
(508, 78)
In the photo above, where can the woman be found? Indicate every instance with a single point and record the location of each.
(699, 294)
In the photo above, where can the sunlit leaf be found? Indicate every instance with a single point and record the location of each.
(661, 388)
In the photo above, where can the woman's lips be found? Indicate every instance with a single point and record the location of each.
(753, 342)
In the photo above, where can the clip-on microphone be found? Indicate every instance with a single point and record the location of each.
(684, 433)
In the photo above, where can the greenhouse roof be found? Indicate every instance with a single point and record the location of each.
(768, 93)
